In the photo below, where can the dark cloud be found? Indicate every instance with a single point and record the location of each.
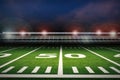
(93, 12)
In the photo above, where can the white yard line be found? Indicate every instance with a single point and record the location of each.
(75, 70)
(35, 70)
(48, 70)
(22, 69)
(113, 49)
(57, 76)
(7, 50)
(113, 62)
(8, 69)
(89, 69)
(103, 69)
(17, 58)
(115, 69)
(60, 65)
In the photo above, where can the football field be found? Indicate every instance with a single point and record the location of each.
(60, 62)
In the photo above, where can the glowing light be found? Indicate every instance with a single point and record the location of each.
(113, 33)
(75, 32)
(44, 32)
(99, 32)
(22, 33)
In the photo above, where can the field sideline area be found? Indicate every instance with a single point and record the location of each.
(60, 62)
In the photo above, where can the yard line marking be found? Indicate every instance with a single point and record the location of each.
(102, 56)
(22, 69)
(75, 70)
(89, 69)
(7, 50)
(48, 70)
(112, 49)
(103, 69)
(8, 69)
(60, 65)
(35, 70)
(18, 58)
(115, 69)
(56, 76)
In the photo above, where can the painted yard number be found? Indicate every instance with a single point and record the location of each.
(117, 56)
(5, 55)
(53, 55)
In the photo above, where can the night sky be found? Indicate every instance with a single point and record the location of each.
(59, 15)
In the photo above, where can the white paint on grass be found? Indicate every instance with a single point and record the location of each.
(115, 69)
(7, 50)
(89, 69)
(57, 76)
(103, 69)
(48, 69)
(112, 49)
(75, 55)
(102, 56)
(22, 69)
(117, 56)
(60, 65)
(8, 69)
(75, 70)
(18, 58)
(3, 55)
(35, 70)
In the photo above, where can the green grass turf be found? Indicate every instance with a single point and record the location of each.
(107, 53)
(91, 60)
(32, 62)
(15, 53)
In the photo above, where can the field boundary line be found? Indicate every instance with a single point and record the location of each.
(113, 62)
(57, 76)
(18, 58)
(60, 65)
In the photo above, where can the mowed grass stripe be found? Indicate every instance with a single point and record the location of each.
(18, 58)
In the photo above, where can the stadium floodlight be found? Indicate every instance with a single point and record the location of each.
(75, 32)
(22, 33)
(113, 33)
(98, 32)
(44, 32)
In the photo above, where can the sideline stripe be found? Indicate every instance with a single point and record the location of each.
(112, 49)
(60, 66)
(48, 70)
(35, 70)
(57, 76)
(75, 70)
(8, 69)
(103, 69)
(115, 69)
(7, 50)
(102, 56)
(22, 69)
(18, 58)
(89, 69)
